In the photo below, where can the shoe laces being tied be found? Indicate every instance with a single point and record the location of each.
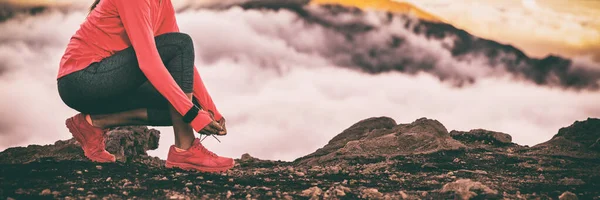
(203, 149)
(207, 136)
(212, 115)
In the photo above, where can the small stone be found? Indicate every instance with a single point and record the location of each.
(312, 192)
(334, 169)
(46, 192)
(300, 174)
(55, 193)
(403, 195)
(539, 169)
(80, 189)
(125, 193)
(464, 188)
(228, 194)
(248, 196)
(568, 196)
(231, 180)
(164, 178)
(188, 184)
(371, 193)
(108, 179)
(339, 192)
(176, 196)
(79, 172)
(99, 167)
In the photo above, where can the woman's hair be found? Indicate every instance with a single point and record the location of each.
(94, 5)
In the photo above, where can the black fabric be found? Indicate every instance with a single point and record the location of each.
(191, 114)
(117, 84)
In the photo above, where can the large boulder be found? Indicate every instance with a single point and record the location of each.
(123, 142)
(580, 140)
(379, 138)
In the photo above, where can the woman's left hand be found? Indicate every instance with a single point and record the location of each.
(221, 123)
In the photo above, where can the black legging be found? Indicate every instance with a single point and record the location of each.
(117, 84)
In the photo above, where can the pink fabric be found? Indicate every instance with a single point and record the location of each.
(117, 24)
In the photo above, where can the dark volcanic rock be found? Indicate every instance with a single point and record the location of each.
(124, 142)
(380, 138)
(482, 138)
(131, 141)
(585, 132)
(578, 140)
(502, 172)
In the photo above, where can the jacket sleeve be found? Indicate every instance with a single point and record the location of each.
(136, 19)
(168, 25)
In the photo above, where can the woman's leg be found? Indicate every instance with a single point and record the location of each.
(111, 91)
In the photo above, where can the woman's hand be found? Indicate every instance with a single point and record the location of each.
(205, 124)
(213, 128)
(222, 124)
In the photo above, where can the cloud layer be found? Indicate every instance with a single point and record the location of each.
(285, 85)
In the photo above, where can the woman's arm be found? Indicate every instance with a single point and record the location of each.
(136, 18)
(169, 24)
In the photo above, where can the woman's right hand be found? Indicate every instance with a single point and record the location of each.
(204, 124)
(213, 128)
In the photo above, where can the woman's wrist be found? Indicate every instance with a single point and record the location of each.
(201, 120)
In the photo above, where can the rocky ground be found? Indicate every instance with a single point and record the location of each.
(373, 159)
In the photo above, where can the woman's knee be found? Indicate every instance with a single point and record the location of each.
(183, 40)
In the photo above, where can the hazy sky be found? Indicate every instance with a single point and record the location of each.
(281, 99)
(540, 27)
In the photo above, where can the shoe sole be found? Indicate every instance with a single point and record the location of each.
(190, 167)
(79, 137)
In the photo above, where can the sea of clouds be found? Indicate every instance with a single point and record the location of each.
(283, 95)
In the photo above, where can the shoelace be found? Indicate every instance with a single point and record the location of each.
(203, 149)
(205, 136)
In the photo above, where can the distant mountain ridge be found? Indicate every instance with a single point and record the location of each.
(397, 53)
